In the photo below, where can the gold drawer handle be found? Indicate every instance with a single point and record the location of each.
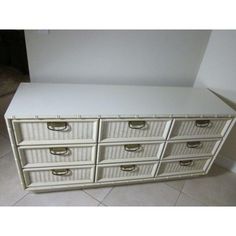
(194, 144)
(186, 163)
(62, 172)
(137, 124)
(128, 168)
(203, 123)
(57, 126)
(133, 147)
(60, 151)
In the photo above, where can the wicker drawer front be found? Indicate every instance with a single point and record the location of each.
(57, 176)
(190, 148)
(32, 132)
(36, 156)
(113, 130)
(108, 153)
(171, 168)
(126, 171)
(199, 128)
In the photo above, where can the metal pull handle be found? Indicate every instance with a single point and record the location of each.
(194, 144)
(186, 163)
(62, 172)
(60, 151)
(137, 124)
(133, 147)
(128, 168)
(203, 123)
(57, 126)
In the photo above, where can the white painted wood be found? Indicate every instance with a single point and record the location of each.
(187, 129)
(45, 177)
(115, 152)
(98, 118)
(33, 132)
(114, 172)
(180, 149)
(72, 100)
(168, 168)
(118, 130)
(41, 156)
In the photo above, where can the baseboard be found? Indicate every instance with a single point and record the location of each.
(226, 163)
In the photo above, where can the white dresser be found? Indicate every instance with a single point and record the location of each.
(69, 136)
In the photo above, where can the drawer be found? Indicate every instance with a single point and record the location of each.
(181, 167)
(42, 156)
(199, 128)
(114, 130)
(124, 152)
(58, 175)
(125, 171)
(31, 132)
(193, 148)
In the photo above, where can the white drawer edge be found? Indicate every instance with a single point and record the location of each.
(154, 163)
(189, 158)
(58, 164)
(28, 185)
(57, 142)
(53, 120)
(128, 161)
(107, 184)
(131, 142)
(195, 139)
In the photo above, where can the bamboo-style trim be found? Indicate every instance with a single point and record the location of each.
(15, 152)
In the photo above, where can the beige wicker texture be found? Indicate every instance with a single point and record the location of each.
(113, 130)
(43, 177)
(188, 129)
(190, 148)
(30, 133)
(115, 172)
(175, 167)
(123, 153)
(43, 156)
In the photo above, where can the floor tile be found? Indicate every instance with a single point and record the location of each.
(102, 205)
(10, 187)
(4, 102)
(218, 188)
(185, 200)
(177, 184)
(3, 127)
(5, 146)
(98, 193)
(66, 198)
(156, 194)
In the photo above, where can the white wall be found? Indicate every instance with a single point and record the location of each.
(218, 72)
(168, 58)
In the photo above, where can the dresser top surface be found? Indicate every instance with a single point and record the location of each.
(74, 100)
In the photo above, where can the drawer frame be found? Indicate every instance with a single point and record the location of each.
(9, 122)
(165, 134)
(118, 179)
(205, 171)
(51, 164)
(19, 141)
(29, 184)
(224, 131)
(163, 158)
(141, 159)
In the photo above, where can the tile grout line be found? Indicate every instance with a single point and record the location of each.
(177, 198)
(14, 204)
(5, 154)
(92, 197)
(107, 194)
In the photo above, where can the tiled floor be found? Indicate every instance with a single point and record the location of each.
(218, 188)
